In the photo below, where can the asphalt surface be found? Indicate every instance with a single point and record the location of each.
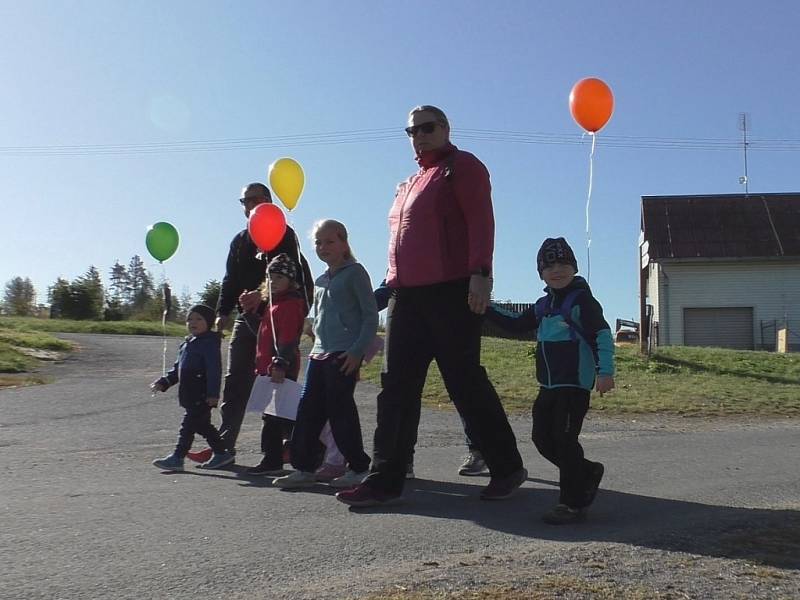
(83, 513)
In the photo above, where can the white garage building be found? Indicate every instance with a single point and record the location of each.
(721, 270)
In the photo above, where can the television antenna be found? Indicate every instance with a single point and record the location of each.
(743, 180)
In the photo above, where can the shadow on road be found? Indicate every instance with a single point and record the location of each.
(763, 536)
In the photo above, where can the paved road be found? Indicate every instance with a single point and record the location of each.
(83, 514)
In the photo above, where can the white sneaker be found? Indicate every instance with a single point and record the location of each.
(297, 479)
(349, 480)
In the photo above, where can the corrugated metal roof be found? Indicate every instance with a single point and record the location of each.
(722, 226)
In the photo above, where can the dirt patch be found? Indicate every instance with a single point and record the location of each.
(39, 354)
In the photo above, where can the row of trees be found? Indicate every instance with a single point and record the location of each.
(132, 293)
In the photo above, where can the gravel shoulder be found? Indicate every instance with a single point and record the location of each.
(690, 508)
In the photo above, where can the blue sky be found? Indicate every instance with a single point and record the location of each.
(89, 74)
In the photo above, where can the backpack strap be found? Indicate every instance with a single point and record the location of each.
(566, 313)
(544, 308)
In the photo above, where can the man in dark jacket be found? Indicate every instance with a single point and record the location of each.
(245, 271)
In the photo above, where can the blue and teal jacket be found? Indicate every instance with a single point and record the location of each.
(198, 369)
(566, 356)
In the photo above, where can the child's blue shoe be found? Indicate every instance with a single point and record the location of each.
(170, 463)
(218, 460)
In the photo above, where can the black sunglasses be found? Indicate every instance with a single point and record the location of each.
(428, 127)
(253, 199)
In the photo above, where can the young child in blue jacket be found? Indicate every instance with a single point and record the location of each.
(574, 353)
(198, 371)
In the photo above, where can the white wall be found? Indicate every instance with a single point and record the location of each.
(772, 288)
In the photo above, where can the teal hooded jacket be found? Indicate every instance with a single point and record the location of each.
(565, 358)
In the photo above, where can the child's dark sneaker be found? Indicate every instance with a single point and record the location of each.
(410, 471)
(200, 456)
(363, 496)
(500, 488)
(170, 463)
(564, 515)
(218, 460)
(266, 467)
(594, 482)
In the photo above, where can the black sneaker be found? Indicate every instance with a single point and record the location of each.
(500, 488)
(265, 467)
(594, 482)
(564, 515)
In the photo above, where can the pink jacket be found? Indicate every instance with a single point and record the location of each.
(442, 227)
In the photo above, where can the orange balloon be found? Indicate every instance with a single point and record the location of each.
(591, 103)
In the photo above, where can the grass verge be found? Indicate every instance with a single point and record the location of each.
(110, 327)
(676, 380)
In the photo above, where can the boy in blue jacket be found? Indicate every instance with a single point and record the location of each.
(574, 353)
(198, 370)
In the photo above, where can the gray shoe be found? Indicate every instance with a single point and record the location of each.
(296, 479)
(170, 463)
(410, 471)
(218, 460)
(473, 465)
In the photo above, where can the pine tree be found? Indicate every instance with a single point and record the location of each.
(87, 295)
(142, 289)
(118, 293)
(20, 297)
(59, 297)
(210, 294)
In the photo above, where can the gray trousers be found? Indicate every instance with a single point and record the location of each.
(239, 378)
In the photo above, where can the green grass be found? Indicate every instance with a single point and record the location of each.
(113, 327)
(676, 380)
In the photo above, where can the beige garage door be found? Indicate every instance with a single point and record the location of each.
(719, 327)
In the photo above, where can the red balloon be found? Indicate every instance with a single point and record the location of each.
(591, 103)
(266, 226)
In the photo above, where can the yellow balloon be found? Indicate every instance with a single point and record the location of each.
(286, 179)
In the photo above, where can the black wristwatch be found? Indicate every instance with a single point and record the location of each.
(483, 272)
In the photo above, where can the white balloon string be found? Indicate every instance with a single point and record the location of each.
(301, 272)
(588, 205)
(164, 322)
(271, 320)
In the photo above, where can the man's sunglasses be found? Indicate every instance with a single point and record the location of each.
(253, 199)
(428, 127)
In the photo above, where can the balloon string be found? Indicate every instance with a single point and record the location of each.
(271, 320)
(164, 322)
(588, 205)
(302, 271)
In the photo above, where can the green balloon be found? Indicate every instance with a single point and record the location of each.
(162, 240)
